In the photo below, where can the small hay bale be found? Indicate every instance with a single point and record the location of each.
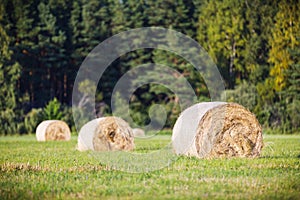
(51, 130)
(138, 132)
(106, 134)
(217, 129)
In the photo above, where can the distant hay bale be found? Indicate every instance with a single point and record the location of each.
(51, 130)
(106, 134)
(217, 129)
(138, 132)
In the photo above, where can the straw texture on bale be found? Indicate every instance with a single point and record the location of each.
(220, 130)
(51, 130)
(138, 132)
(106, 134)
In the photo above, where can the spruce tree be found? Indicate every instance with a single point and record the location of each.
(9, 74)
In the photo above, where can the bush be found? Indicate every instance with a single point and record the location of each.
(67, 116)
(78, 115)
(52, 110)
(293, 110)
(8, 124)
(32, 119)
(244, 94)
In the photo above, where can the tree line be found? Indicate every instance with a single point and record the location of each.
(255, 44)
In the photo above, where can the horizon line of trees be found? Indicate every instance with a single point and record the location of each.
(255, 44)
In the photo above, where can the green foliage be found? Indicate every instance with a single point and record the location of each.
(9, 74)
(285, 36)
(52, 110)
(244, 94)
(8, 122)
(292, 93)
(67, 116)
(293, 111)
(121, 107)
(222, 32)
(279, 93)
(179, 15)
(43, 43)
(32, 119)
(88, 90)
(233, 32)
(78, 115)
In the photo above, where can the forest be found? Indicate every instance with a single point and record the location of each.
(255, 45)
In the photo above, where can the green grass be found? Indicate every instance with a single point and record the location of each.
(34, 170)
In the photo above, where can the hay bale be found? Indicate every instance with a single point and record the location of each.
(106, 134)
(217, 129)
(86, 134)
(138, 132)
(51, 130)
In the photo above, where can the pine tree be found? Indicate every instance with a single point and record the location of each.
(118, 17)
(19, 28)
(9, 74)
(40, 45)
(259, 23)
(177, 15)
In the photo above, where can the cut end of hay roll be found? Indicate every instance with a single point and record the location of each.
(53, 130)
(221, 130)
(106, 134)
(138, 132)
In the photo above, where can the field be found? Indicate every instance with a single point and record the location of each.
(56, 170)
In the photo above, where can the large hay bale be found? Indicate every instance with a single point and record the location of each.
(106, 134)
(217, 129)
(86, 134)
(138, 132)
(51, 130)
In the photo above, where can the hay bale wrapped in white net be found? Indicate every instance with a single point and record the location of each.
(106, 134)
(217, 129)
(51, 130)
(138, 132)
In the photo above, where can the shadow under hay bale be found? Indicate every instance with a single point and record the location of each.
(217, 129)
(106, 134)
(138, 132)
(53, 130)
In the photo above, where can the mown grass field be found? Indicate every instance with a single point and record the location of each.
(56, 170)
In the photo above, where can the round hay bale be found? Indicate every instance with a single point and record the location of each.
(106, 134)
(217, 129)
(86, 134)
(51, 130)
(138, 132)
